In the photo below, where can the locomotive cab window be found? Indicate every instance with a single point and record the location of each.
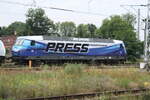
(19, 42)
(33, 43)
(28, 43)
(121, 46)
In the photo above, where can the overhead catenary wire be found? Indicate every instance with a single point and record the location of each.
(74, 11)
(135, 5)
(15, 3)
(125, 8)
(132, 6)
(53, 8)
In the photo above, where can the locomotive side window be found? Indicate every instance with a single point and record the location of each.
(39, 45)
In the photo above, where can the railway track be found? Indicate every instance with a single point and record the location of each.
(20, 68)
(91, 95)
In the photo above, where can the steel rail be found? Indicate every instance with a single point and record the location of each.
(89, 95)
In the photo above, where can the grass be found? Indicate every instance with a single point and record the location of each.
(74, 78)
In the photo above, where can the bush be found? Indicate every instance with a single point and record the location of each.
(74, 69)
(74, 78)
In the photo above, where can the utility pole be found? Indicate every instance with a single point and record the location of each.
(146, 46)
(89, 5)
(34, 3)
(145, 64)
(138, 28)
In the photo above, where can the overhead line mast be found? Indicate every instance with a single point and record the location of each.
(138, 27)
(147, 31)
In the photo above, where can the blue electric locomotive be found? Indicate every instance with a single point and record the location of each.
(47, 48)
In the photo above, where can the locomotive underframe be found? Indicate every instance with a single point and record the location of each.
(2, 58)
(85, 59)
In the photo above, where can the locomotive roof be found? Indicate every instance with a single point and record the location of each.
(40, 38)
(77, 39)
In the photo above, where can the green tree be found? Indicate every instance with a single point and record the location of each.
(82, 31)
(130, 18)
(118, 28)
(67, 29)
(3, 31)
(38, 23)
(92, 30)
(17, 28)
(86, 31)
(57, 28)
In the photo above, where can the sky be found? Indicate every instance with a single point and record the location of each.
(104, 8)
